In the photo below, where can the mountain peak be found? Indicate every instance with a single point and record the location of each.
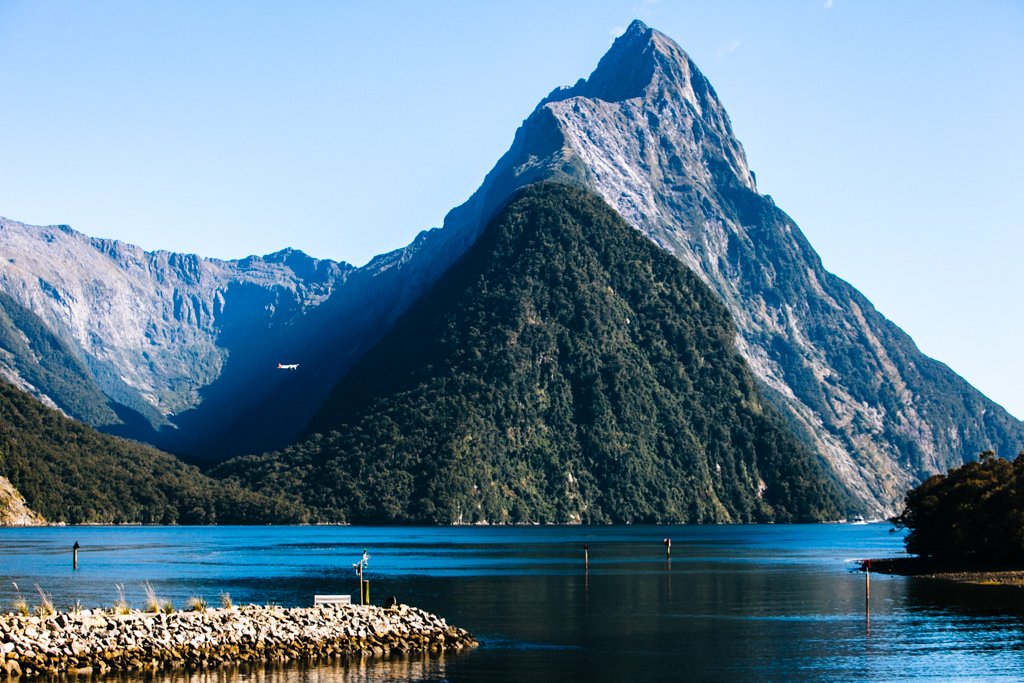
(637, 37)
(653, 108)
(638, 62)
(636, 27)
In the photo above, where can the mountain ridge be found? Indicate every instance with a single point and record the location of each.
(78, 276)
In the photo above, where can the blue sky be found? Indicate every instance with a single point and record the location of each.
(890, 131)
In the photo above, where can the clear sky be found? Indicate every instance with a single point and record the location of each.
(891, 131)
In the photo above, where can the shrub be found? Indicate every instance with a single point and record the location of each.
(974, 513)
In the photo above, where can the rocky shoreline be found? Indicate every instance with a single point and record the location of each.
(97, 642)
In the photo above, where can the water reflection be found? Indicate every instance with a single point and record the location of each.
(965, 600)
(731, 604)
(398, 668)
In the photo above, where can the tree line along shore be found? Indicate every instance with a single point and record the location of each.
(966, 525)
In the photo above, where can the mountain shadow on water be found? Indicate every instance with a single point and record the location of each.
(566, 369)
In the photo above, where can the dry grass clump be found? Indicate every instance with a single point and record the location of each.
(121, 605)
(45, 606)
(225, 601)
(20, 604)
(196, 604)
(152, 602)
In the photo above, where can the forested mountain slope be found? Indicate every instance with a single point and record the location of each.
(69, 472)
(564, 370)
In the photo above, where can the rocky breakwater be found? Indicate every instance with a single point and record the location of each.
(95, 642)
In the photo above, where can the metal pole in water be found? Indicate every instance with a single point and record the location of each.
(364, 593)
(586, 556)
(668, 547)
(74, 555)
(867, 597)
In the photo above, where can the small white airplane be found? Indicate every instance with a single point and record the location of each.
(292, 366)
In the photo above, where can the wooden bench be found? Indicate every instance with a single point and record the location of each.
(332, 600)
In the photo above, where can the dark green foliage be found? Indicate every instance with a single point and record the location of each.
(565, 369)
(69, 472)
(975, 513)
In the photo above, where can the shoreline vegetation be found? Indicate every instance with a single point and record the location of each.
(965, 526)
(87, 642)
(958, 572)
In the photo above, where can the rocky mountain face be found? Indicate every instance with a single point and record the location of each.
(133, 341)
(564, 370)
(37, 361)
(13, 509)
(647, 132)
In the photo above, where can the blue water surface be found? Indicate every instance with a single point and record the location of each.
(731, 603)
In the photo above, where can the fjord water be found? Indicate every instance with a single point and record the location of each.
(732, 603)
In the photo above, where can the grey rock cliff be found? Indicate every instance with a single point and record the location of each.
(657, 144)
(152, 328)
(13, 509)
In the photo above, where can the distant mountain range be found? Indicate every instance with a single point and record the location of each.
(182, 351)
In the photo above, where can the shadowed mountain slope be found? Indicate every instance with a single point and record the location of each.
(69, 472)
(564, 370)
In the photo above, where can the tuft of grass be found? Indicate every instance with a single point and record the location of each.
(167, 607)
(152, 602)
(20, 604)
(196, 604)
(225, 601)
(75, 607)
(45, 606)
(121, 605)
